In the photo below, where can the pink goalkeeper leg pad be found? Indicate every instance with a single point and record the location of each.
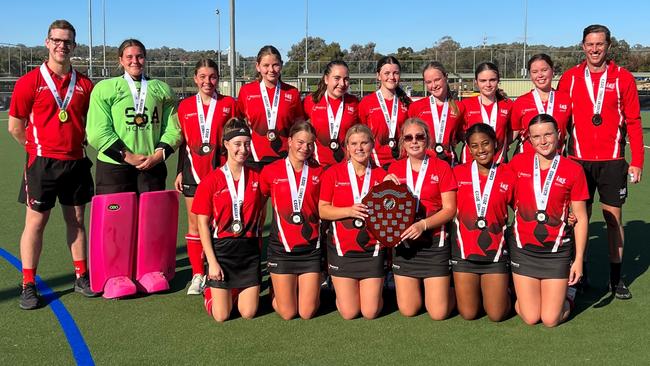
(156, 244)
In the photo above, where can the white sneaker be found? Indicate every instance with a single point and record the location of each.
(196, 285)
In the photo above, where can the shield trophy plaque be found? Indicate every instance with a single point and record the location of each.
(391, 210)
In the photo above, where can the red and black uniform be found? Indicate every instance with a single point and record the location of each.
(251, 107)
(351, 252)
(524, 109)
(370, 114)
(469, 243)
(192, 163)
(429, 255)
(600, 149)
(56, 161)
(532, 243)
(237, 254)
(422, 110)
(292, 248)
(472, 115)
(317, 114)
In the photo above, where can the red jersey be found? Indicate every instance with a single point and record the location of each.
(336, 189)
(468, 241)
(621, 115)
(46, 135)
(438, 179)
(370, 114)
(317, 114)
(250, 106)
(472, 115)
(568, 185)
(524, 109)
(213, 199)
(285, 235)
(193, 163)
(422, 110)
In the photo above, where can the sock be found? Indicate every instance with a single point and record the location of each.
(80, 267)
(614, 274)
(195, 253)
(29, 275)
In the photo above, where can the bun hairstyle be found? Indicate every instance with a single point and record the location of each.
(489, 66)
(129, 43)
(302, 126)
(481, 128)
(539, 57)
(267, 50)
(450, 95)
(401, 94)
(543, 118)
(206, 62)
(322, 87)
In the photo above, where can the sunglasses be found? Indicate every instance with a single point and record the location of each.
(418, 137)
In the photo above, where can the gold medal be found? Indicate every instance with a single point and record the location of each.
(139, 119)
(63, 115)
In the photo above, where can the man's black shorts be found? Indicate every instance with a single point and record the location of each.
(609, 177)
(45, 179)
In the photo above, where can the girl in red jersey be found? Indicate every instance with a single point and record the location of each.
(385, 110)
(228, 205)
(294, 253)
(423, 256)
(270, 107)
(542, 99)
(490, 107)
(439, 111)
(479, 259)
(542, 245)
(201, 117)
(331, 111)
(356, 262)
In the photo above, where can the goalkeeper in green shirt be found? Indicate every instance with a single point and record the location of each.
(132, 122)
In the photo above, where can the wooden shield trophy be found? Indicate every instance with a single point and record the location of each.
(391, 210)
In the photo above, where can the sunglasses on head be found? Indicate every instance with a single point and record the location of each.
(418, 137)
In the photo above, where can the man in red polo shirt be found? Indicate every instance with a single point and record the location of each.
(605, 111)
(47, 117)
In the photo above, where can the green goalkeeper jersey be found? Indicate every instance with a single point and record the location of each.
(112, 119)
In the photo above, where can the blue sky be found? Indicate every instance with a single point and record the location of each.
(192, 24)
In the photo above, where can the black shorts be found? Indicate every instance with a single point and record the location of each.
(117, 178)
(239, 259)
(420, 261)
(45, 179)
(479, 267)
(358, 265)
(189, 190)
(609, 177)
(540, 265)
(282, 262)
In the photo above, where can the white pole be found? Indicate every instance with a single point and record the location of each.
(233, 52)
(104, 71)
(90, 38)
(219, 41)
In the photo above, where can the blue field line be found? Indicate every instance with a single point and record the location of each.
(78, 346)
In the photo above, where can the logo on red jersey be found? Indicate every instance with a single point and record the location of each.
(351, 109)
(434, 178)
(563, 107)
(288, 97)
(561, 180)
(226, 110)
(504, 187)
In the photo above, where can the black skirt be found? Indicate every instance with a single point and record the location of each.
(296, 262)
(479, 267)
(239, 259)
(422, 259)
(357, 265)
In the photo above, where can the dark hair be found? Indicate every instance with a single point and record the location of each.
(129, 43)
(267, 50)
(440, 67)
(322, 87)
(233, 126)
(489, 66)
(539, 57)
(302, 126)
(401, 94)
(542, 118)
(206, 62)
(481, 128)
(597, 28)
(62, 24)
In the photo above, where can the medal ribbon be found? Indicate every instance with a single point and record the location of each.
(492, 121)
(138, 100)
(598, 103)
(439, 122)
(391, 120)
(237, 196)
(334, 121)
(61, 103)
(297, 193)
(418, 184)
(203, 125)
(540, 105)
(481, 200)
(356, 195)
(541, 195)
(271, 112)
